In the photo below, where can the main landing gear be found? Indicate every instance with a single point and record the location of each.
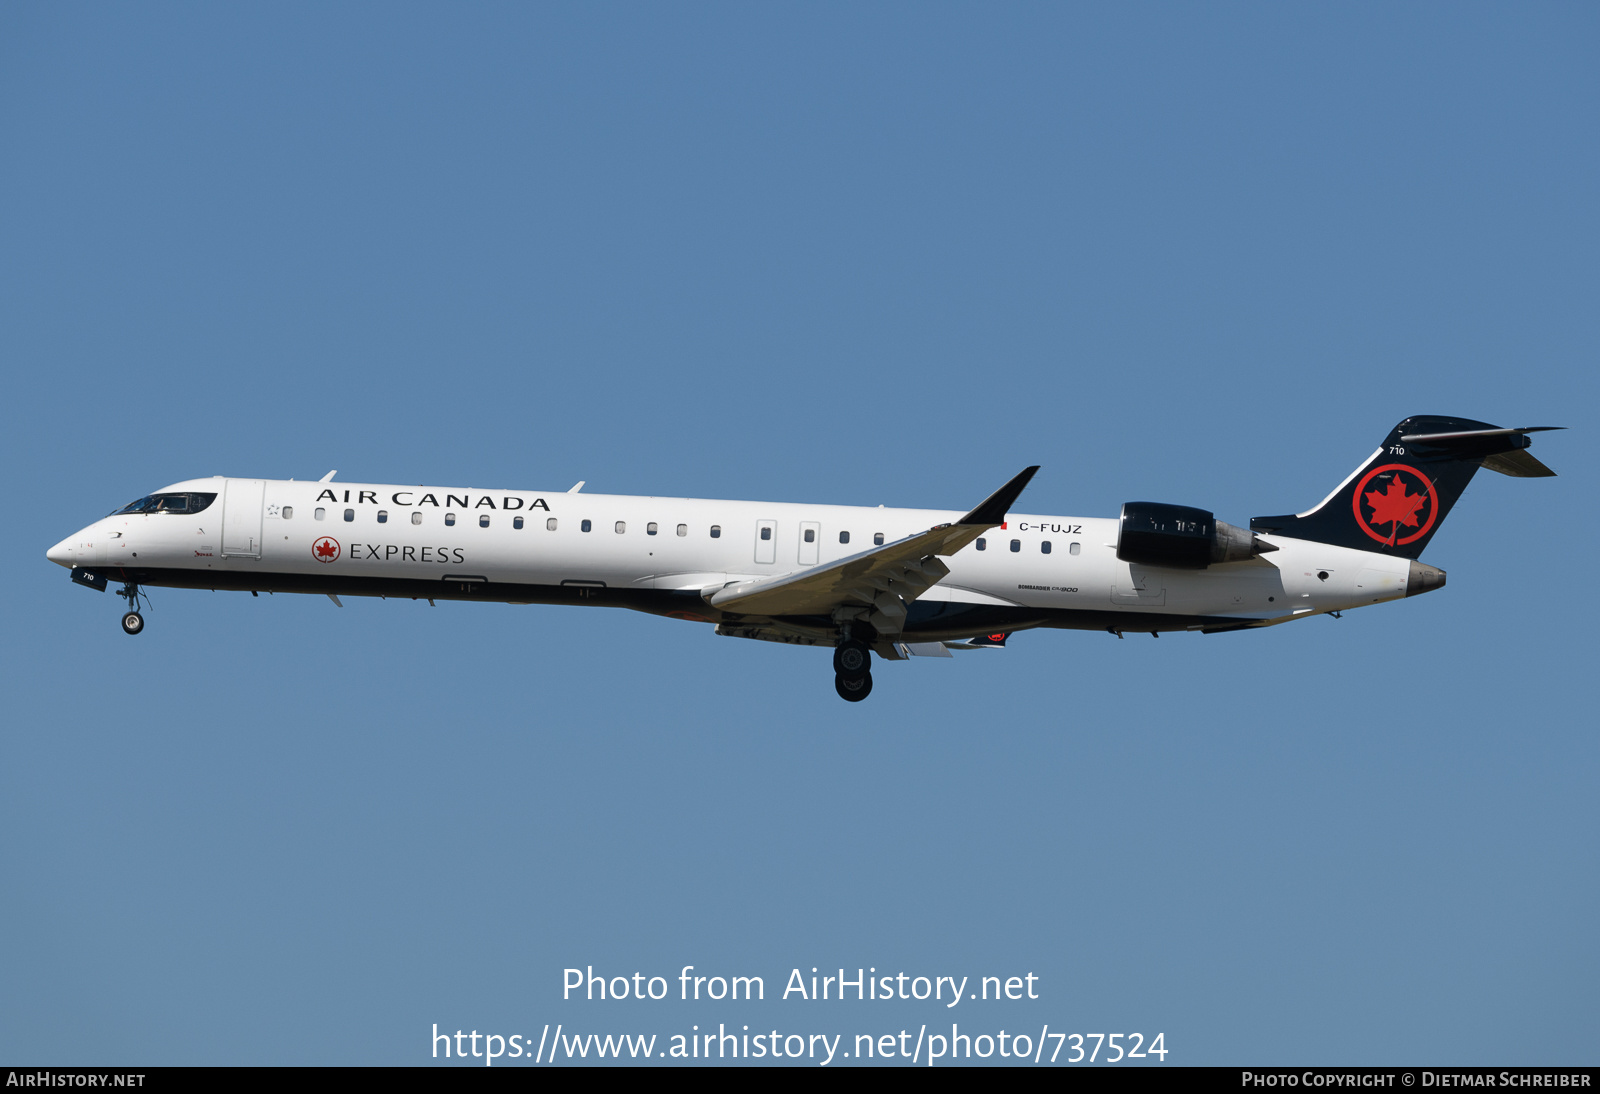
(852, 670)
(132, 621)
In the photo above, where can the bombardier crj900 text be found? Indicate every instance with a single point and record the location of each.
(902, 582)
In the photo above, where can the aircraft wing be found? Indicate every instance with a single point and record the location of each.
(886, 578)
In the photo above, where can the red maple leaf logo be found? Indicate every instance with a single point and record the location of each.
(1395, 505)
(327, 549)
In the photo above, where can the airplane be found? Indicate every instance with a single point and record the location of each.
(898, 582)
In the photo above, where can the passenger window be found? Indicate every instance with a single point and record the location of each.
(811, 535)
(449, 520)
(1074, 549)
(844, 537)
(383, 516)
(1044, 548)
(585, 526)
(983, 544)
(349, 514)
(483, 520)
(683, 529)
(288, 512)
(766, 532)
(416, 518)
(1016, 545)
(550, 525)
(320, 513)
(716, 531)
(650, 529)
(516, 522)
(877, 538)
(622, 526)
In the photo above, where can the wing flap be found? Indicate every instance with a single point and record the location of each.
(906, 568)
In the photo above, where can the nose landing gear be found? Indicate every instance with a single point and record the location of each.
(852, 670)
(132, 621)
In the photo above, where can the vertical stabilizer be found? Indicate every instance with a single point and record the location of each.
(1399, 497)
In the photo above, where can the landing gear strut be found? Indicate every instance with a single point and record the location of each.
(132, 621)
(852, 670)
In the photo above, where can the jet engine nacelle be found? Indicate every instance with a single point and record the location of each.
(1155, 534)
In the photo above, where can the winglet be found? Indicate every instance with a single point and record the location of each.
(993, 509)
(328, 477)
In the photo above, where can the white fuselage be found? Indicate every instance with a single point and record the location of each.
(659, 554)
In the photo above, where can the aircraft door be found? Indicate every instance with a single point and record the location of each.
(766, 541)
(241, 517)
(810, 533)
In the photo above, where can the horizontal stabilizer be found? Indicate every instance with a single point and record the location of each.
(1474, 434)
(1518, 464)
(1502, 450)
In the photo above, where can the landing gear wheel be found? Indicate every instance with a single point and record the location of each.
(133, 623)
(853, 690)
(852, 659)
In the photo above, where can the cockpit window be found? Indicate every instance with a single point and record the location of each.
(168, 503)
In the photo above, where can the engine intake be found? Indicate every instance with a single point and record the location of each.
(1152, 533)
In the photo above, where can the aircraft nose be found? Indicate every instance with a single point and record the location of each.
(61, 553)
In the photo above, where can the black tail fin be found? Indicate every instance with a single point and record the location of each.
(1396, 501)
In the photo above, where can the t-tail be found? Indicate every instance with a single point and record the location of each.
(1399, 497)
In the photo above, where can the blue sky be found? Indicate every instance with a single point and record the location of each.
(844, 253)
